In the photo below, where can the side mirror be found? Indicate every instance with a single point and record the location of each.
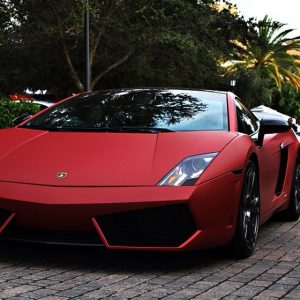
(21, 119)
(268, 126)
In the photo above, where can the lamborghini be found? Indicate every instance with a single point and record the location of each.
(158, 169)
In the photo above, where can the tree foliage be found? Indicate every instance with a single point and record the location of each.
(9, 110)
(132, 43)
(269, 53)
(287, 100)
(265, 63)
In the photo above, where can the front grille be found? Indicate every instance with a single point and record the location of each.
(164, 226)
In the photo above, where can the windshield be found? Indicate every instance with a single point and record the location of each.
(137, 110)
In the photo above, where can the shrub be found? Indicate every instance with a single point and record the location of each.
(9, 110)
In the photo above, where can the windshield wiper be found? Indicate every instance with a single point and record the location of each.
(145, 129)
(41, 128)
(101, 129)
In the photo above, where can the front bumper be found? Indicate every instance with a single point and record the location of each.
(149, 218)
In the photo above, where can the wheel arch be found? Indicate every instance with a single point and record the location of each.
(251, 156)
(248, 212)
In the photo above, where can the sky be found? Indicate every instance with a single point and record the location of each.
(284, 11)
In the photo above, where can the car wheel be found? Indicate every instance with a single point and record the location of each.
(248, 214)
(293, 211)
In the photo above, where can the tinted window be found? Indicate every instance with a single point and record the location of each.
(175, 110)
(247, 122)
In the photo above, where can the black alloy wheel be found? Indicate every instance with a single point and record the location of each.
(248, 218)
(293, 211)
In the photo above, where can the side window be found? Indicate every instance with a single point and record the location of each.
(247, 122)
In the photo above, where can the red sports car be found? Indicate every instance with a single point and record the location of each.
(147, 169)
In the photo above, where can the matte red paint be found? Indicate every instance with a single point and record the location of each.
(116, 172)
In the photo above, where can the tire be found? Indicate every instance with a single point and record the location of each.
(293, 211)
(248, 217)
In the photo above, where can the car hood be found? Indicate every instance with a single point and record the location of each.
(99, 159)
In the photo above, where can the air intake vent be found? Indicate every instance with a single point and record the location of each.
(5, 217)
(164, 226)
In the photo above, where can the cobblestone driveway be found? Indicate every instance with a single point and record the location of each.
(59, 273)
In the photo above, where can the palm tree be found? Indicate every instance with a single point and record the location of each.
(270, 54)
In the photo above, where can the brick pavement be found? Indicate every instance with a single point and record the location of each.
(61, 273)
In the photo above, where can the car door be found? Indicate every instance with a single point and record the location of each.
(271, 158)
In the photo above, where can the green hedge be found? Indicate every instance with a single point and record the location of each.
(9, 110)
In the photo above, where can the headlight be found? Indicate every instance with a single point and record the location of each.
(188, 171)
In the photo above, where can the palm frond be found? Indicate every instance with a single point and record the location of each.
(271, 53)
